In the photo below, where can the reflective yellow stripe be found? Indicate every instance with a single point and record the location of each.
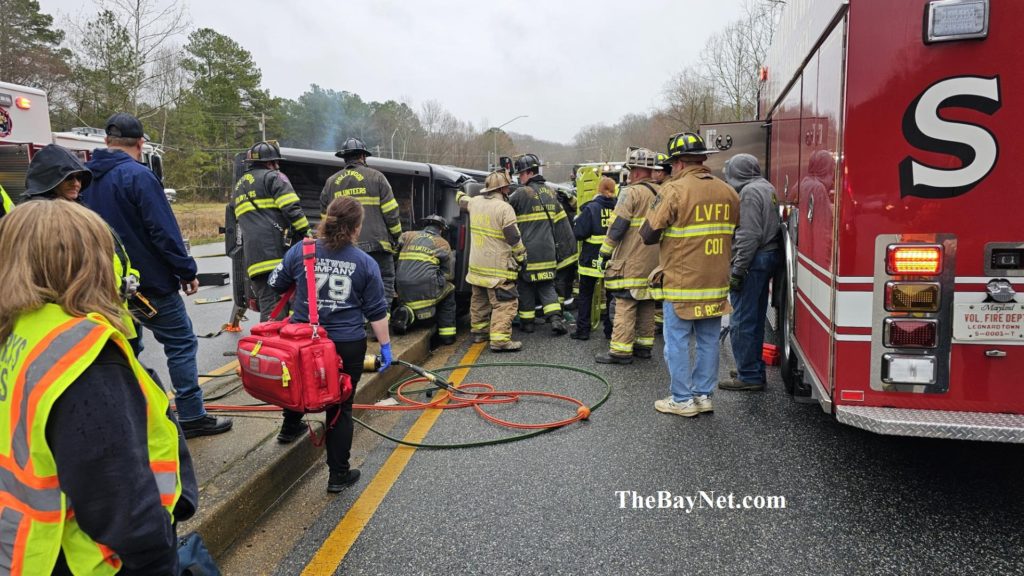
(527, 314)
(300, 224)
(421, 304)
(488, 232)
(625, 283)
(446, 331)
(418, 257)
(552, 308)
(636, 222)
(568, 261)
(396, 229)
(699, 230)
(622, 347)
(389, 205)
(592, 272)
(263, 267)
(492, 272)
(645, 342)
(532, 266)
(243, 209)
(541, 217)
(480, 326)
(595, 239)
(364, 200)
(286, 199)
(686, 295)
(500, 337)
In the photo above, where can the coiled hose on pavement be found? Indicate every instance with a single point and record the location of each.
(475, 395)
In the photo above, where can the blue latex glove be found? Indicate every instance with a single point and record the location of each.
(385, 357)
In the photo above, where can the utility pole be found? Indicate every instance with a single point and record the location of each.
(495, 134)
(263, 125)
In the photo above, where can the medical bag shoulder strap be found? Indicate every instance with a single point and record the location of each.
(309, 263)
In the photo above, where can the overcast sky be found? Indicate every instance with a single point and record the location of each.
(564, 63)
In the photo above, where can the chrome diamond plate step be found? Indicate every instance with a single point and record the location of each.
(980, 426)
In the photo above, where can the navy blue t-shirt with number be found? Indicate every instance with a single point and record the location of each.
(349, 288)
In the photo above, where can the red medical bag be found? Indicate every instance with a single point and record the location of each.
(294, 366)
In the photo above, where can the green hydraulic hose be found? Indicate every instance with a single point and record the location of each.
(394, 388)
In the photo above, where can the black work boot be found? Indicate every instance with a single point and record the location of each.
(642, 352)
(607, 357)
(527, 326)
(206, 426)
(291, 431)
(558, 325)
(580, 335)
(338, 481)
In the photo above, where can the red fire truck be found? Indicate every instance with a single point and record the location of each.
(892, 131)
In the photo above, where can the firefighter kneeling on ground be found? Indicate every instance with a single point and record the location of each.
(628, 264)
(495, 258)
(425, 268)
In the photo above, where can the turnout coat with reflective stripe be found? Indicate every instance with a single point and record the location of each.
(6, 204)
(381, 224)
(492, 261)
(547, 233)
(266, 206)
(46, 352)
(697, 215)
(425, 265)
(631, 260)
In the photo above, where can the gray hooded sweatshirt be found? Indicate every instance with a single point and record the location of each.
(759, 212)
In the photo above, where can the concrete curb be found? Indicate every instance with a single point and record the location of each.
(248, 494)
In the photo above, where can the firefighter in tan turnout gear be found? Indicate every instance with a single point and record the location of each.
(628, 263)
(495, 258)
(423, 280)
(693, 220)
(550, 244)
(381, 225)
(270, 218)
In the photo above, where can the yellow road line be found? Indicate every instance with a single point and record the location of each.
(341, 539)
(229, 367)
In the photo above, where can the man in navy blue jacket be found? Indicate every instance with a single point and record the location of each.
(131, 199)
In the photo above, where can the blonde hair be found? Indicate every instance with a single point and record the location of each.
(60, 253)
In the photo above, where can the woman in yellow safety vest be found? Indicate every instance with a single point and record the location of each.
(93, 469)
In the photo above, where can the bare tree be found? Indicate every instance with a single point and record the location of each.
(732, 58)
(691, 99)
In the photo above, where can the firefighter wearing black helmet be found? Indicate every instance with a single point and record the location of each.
(423, 280)
(550, 244)
(269, 218)
(381, 226)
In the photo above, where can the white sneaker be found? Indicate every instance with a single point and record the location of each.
(703, 404)
(670, 406)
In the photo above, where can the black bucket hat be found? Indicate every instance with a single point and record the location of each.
(51, 166)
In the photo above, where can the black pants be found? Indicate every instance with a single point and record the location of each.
(339, 438)
(266, 297)
(563, 282)
(588, 284)
(532, 293)
(386, 262)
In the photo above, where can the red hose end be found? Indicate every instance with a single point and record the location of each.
(583, 412)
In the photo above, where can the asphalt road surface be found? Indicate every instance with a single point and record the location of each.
(563, 502)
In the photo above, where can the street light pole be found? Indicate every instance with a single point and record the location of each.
(495, 134)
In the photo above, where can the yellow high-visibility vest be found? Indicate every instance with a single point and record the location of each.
(47, 350)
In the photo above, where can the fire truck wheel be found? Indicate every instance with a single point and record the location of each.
(791, 380)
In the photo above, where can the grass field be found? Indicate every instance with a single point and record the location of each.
(200, 222)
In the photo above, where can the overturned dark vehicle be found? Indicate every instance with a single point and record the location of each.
(420, 190)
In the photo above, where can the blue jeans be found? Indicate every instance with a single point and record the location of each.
(746, 325)
(172, 328)
(700, 380)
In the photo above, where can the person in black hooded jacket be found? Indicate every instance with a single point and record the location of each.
(55, 172)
